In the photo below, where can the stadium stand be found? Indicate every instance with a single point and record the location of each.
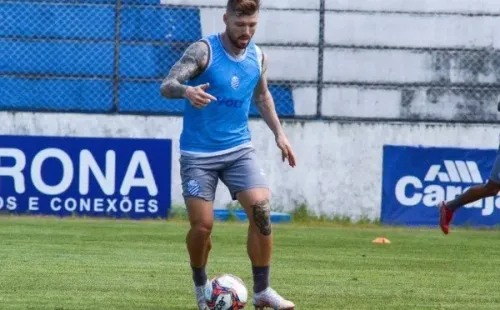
(364, 60)
(65, 56)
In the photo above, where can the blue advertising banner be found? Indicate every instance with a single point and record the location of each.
(416, 179)
(106, 177)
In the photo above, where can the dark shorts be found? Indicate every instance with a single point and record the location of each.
(238, 170)
(495, 171)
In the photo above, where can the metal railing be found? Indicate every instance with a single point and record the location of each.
(110, 56)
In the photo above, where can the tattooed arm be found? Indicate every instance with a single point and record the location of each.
(265, 104)
(192, 63)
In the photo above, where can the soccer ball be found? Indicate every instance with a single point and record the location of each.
(228, 293)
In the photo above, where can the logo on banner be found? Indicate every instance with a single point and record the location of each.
(443, 182)
(417, 179)
(453, 172)
(82, 176)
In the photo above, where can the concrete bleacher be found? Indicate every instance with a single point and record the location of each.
(65, 56)
(417, 59)
(391, 59)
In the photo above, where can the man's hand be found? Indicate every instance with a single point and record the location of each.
(198, 97)
(286, 149)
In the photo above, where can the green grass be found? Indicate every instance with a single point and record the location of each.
(48, 263)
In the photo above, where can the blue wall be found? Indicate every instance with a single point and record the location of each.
(61, 55)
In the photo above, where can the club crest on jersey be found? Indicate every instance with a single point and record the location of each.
(235, 82)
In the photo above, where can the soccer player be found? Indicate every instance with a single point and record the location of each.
(223, 72)
(490, 188)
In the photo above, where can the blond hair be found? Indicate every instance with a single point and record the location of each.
(243, 7)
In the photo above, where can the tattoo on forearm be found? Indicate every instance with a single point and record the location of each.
(262, 216)
(262, 92)
(190, 64)
(262, 98)
(259, 101)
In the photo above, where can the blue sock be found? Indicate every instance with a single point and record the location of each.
(260, 278)
(199, 276)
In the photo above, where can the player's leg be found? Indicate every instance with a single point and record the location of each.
(490, 188)
(199, 244)
(198, 239)
(259, 247)
(247, 183)
(255, 201)
(474, 193)
(199, 181)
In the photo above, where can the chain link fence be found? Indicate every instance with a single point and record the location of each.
(325, 61)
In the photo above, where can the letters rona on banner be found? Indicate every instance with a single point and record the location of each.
(127, 178)
(416, 179)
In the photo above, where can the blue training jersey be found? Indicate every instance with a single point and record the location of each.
(222, 124)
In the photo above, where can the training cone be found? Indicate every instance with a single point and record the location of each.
(381, 240)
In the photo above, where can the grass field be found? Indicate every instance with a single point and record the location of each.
(49, 263)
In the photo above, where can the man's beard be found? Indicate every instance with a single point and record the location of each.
(235, 42)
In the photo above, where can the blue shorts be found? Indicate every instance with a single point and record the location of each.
(495, 171)
(239, 170)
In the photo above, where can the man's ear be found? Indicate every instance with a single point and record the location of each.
(225, 18)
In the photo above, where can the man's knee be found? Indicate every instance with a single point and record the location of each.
(261, 215)
(202, 228)
(200, 214)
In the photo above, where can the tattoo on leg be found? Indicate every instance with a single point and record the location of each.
(262, 217)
